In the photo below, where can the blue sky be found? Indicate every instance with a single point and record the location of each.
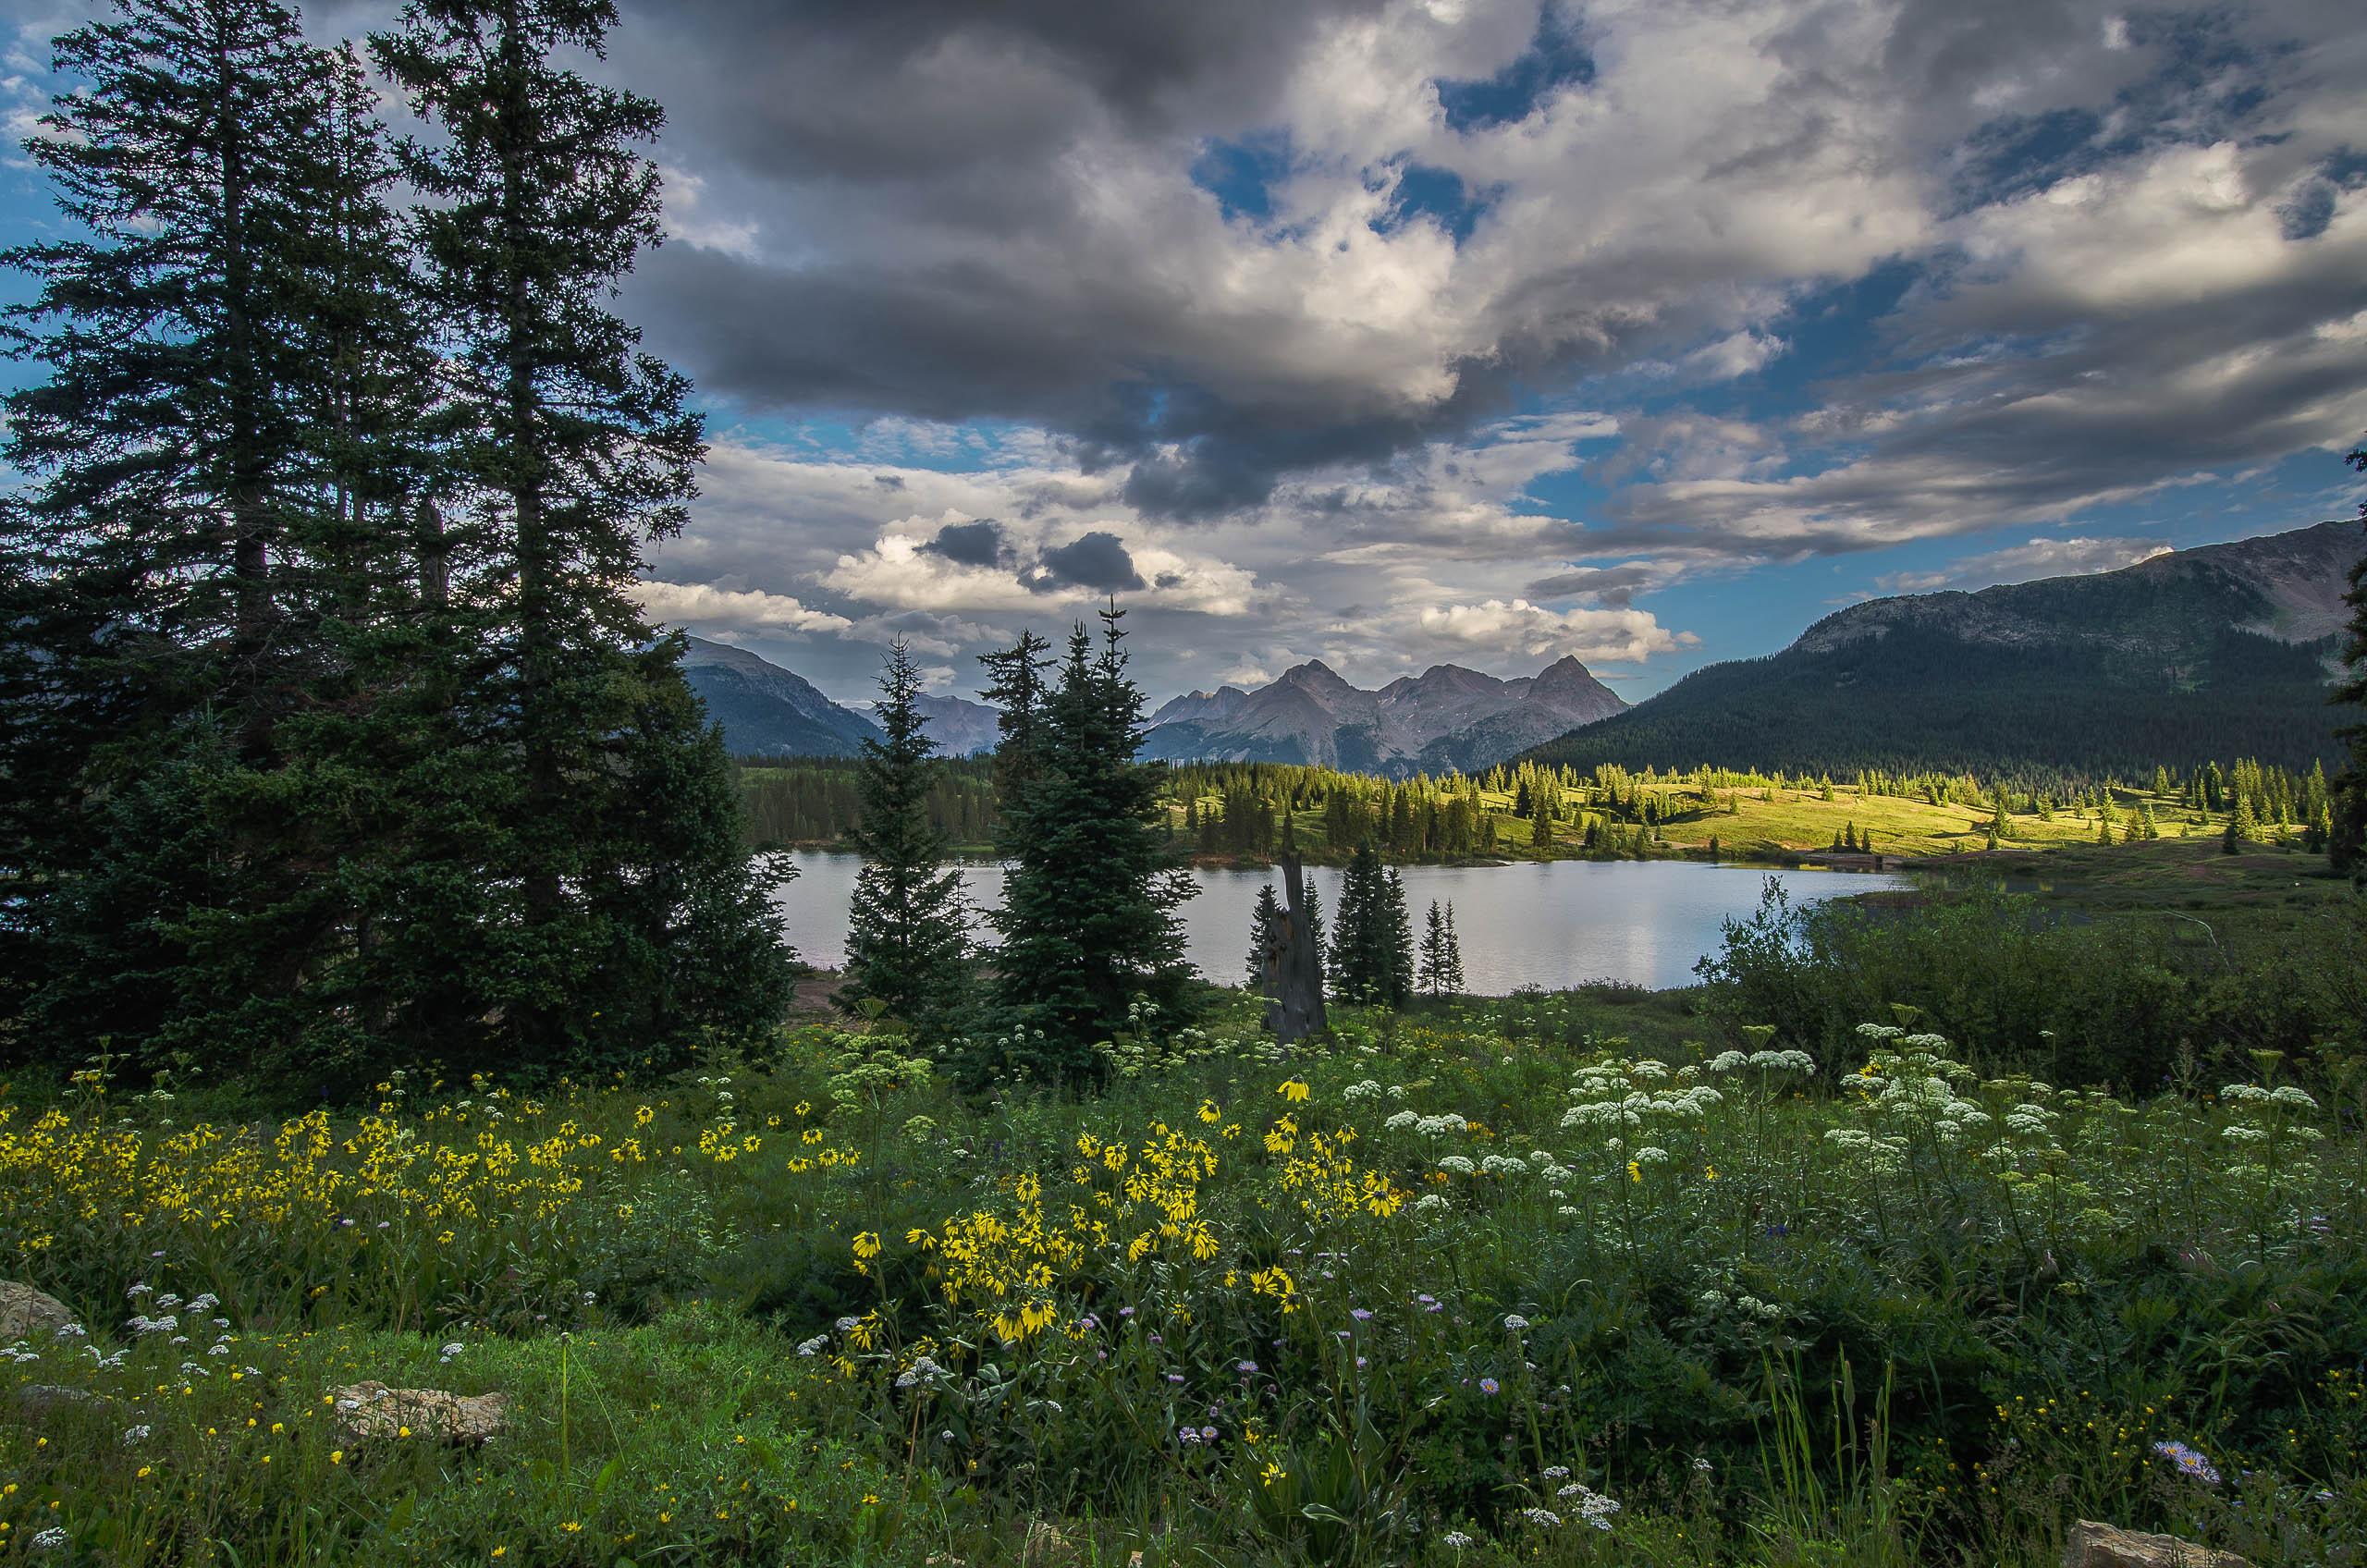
(1399, 331)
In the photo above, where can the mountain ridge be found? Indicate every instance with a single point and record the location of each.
(1448, 716)
(2221, 650)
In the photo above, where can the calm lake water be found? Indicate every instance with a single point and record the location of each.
(1548, 923)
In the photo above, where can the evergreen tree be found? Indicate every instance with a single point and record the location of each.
(192, 564)
(1440, 971)
(2347, 812)
(1264, 920)
(1398, 986)
(1314, 926)
(617, 920)
(1088, 918)
(907, 942)
(1360, 942)
(1015, 690)
(1433, 953)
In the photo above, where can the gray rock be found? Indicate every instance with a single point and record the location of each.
(2092, 1544)
(365, 1410)
(27, 1314)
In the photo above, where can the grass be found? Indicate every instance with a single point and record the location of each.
(1779, 825)
(1578, 1279)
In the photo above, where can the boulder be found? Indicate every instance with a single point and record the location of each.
(26, 1313)
(373, 1410)
(2092, 1544)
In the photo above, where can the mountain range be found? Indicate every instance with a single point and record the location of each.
(2221, 650)
(2217, 652)
(770, 712)
(1445, 717)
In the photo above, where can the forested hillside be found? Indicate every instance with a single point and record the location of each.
(2225, 650)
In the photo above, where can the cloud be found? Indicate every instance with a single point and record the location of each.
(1098, 560)
(976, 543)
(701, 607)
(2019, 563)
(1622, 636)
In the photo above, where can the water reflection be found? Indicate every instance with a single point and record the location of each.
(1534, 923)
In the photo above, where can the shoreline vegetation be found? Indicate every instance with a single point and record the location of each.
(1234, 815)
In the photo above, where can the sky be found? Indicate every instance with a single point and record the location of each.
(1395, 333)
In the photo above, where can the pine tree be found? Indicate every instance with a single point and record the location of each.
(1015, 690)
(1363, 942)
(1432, 972)
(1452, 978)
(2347, 812)
(618, 919)
(1314, 926)
(1264, 920)
(907, 941)
(192, 578)
(1398, 984)
(1088, 918)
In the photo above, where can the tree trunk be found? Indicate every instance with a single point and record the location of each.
(1292, 980)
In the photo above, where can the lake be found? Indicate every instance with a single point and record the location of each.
(1550, 922)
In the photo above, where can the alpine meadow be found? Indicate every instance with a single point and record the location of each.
(915, 786)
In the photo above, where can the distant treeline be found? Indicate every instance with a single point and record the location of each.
(1221, 809)
(813, 799)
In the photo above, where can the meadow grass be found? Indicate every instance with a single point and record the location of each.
(1477, 1284)
(1776, 823)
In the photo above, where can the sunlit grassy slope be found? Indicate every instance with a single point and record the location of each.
(1773, 822)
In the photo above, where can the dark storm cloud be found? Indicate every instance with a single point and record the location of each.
(927, 89)
(1095, 561)
(1614, 586)
(970, 543)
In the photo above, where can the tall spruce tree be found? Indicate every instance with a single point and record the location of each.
(1321, 943)
(1265, 918)
(2347, 805)
(1089, 920)
(619, 918)
(1372, 943)
(1434, 953)
(907, 941)
(1400, 985)
(1452, 978)
(1015, 690)
(180, 575)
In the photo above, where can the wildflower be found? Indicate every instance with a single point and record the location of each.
(1292, 1089)
(1455, 1538)
(49, 1539)
(1273, 1473)
(2189, 1460)
(1544, 1518)
(1489, 1386)
(1515, 1323)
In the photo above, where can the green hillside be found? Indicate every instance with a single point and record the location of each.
(2211, 652)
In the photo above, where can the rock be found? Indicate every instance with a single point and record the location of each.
(2092, 1544)
(373, 1410)
(25, 1312)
